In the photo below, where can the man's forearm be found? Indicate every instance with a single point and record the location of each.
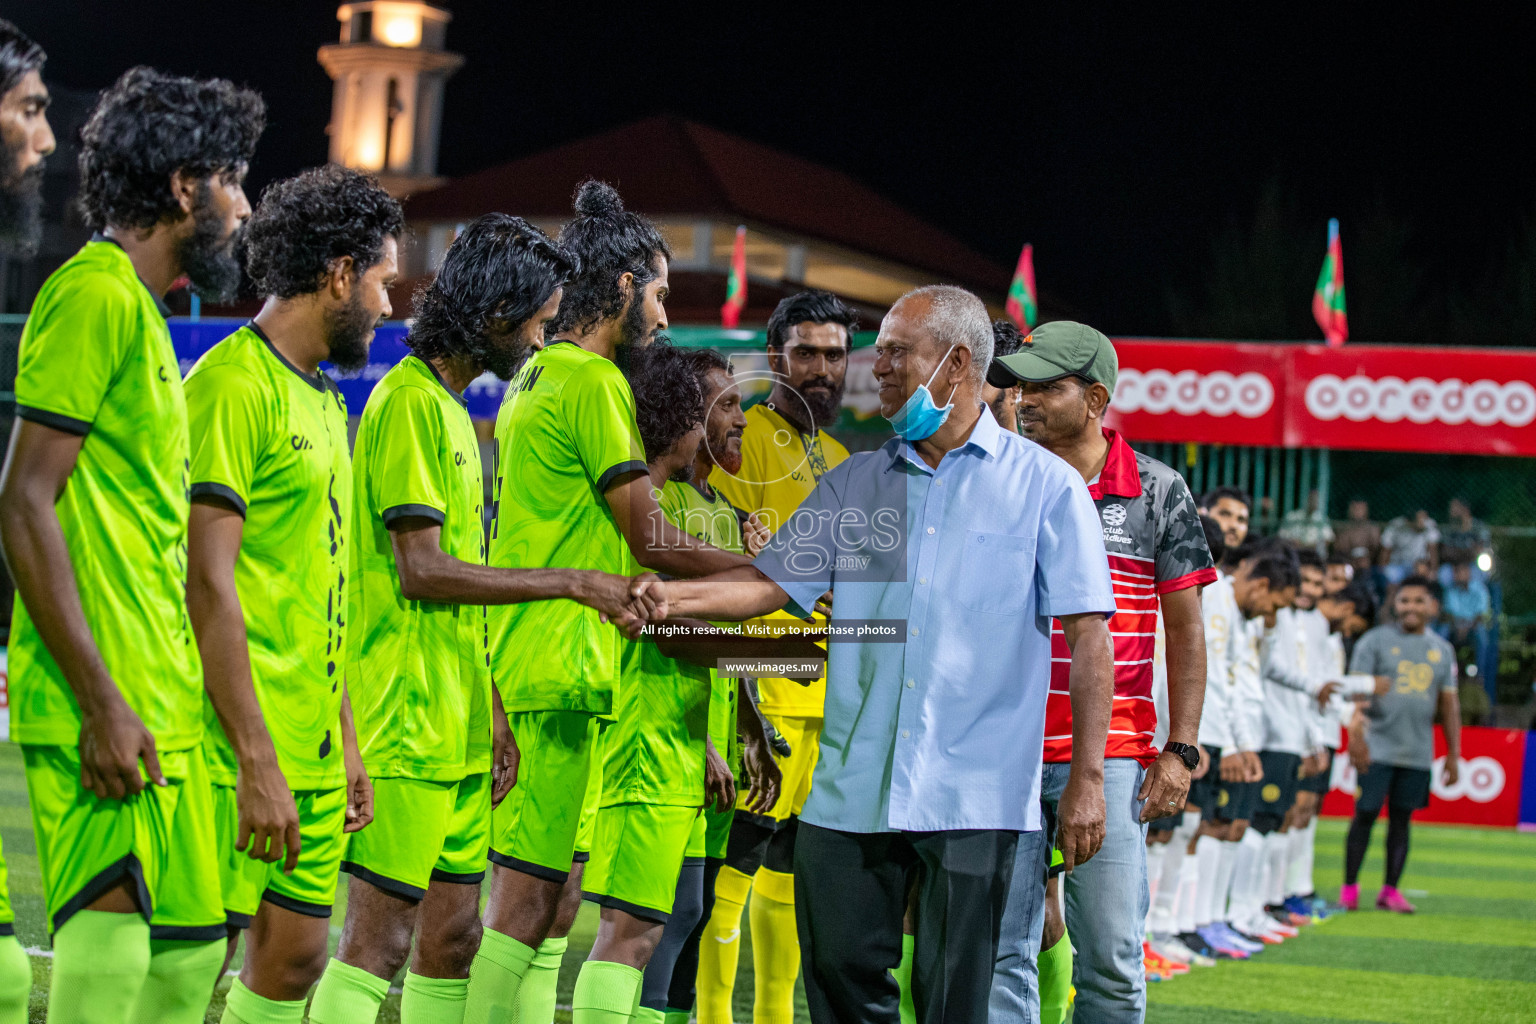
(734, 595)
(677, 553)
(443, 579)
(1450, 722)
(40, 565)
(1186, 682)
(1091, 682)
(219, 625)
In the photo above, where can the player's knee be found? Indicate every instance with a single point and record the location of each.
(1055, 926)
(1236, 830)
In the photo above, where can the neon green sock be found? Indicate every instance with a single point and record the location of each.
(180, 982)
(347, 995)
(646, 1015)
(15, 981)
(536, 996)
(903, 976)
(606, 993)
(426, 1000)
(495, 978)
(100, 961)
(676, 1017)
(1055, 965)
(246, 1007)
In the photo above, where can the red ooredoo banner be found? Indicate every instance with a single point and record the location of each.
(1487, 792)
(1371, 397)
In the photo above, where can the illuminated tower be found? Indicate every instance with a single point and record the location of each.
(389, 70)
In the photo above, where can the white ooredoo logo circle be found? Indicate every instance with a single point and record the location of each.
(1421, 400)
(1480, 780)
(1190, 393)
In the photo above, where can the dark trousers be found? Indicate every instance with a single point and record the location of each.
(850, 895)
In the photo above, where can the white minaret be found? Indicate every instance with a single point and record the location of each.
(389, 70)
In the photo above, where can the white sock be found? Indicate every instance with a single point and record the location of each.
(1225, 872)
(1298, 880)
(1163, 916)
(1189, 887)
(1209, 854)
(1277, 850)
(1247, 863)
(1155, 854)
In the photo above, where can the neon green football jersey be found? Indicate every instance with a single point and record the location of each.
(419, 671)
(271, 440)
(654, 752)
(705, 514)
(565, 432)
(96, 360)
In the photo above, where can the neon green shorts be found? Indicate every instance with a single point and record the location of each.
(636, 857)
(422, 832)
(698, 839)
(537, 828)
(163, 839)
(7, 915)
(717, 832)
(311, 889)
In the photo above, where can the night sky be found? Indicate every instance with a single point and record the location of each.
(1120, 144)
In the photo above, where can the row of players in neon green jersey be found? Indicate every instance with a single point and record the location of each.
(243, 661)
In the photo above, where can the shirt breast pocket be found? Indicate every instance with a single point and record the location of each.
(997, 573)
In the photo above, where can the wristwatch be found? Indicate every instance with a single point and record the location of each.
(1187, 752)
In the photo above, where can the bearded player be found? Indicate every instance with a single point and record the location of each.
(572, 488)
(268, 551)
(106, 684)
(432, 736)
(784, 451)
(25, 142)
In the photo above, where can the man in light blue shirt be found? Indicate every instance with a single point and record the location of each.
(967, 540)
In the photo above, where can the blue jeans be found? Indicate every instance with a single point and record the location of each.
(1106, 904)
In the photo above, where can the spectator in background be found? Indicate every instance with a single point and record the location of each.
(1359, 537)
(1337, 572)
(1232, 508)
(1406, 542)
(1463, 540)
(1308, 527)
(1466, 613)
(1004, 402)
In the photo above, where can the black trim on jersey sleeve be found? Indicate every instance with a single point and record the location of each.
(395, 513)
(304, 907)
(224, 494)
(68, 424)
(612, 472)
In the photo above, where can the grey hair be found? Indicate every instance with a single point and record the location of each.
(957, 317)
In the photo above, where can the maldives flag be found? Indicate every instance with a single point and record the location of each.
(1328, 299)
(1022, 306)
(736, 283)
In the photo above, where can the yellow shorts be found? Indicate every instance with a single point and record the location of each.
(804, 736)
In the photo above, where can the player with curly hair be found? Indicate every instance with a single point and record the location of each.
(572, 488)
(105, 678)
(432, 734)
(268, 551)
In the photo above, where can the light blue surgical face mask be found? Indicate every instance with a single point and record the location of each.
(919, 419)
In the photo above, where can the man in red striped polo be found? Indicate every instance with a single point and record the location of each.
(1158, 560)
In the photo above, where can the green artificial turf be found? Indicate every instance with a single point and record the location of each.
(1468, 955)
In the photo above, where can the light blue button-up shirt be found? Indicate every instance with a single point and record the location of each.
(942, 729)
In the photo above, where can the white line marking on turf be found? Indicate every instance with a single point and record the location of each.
(46, 954)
